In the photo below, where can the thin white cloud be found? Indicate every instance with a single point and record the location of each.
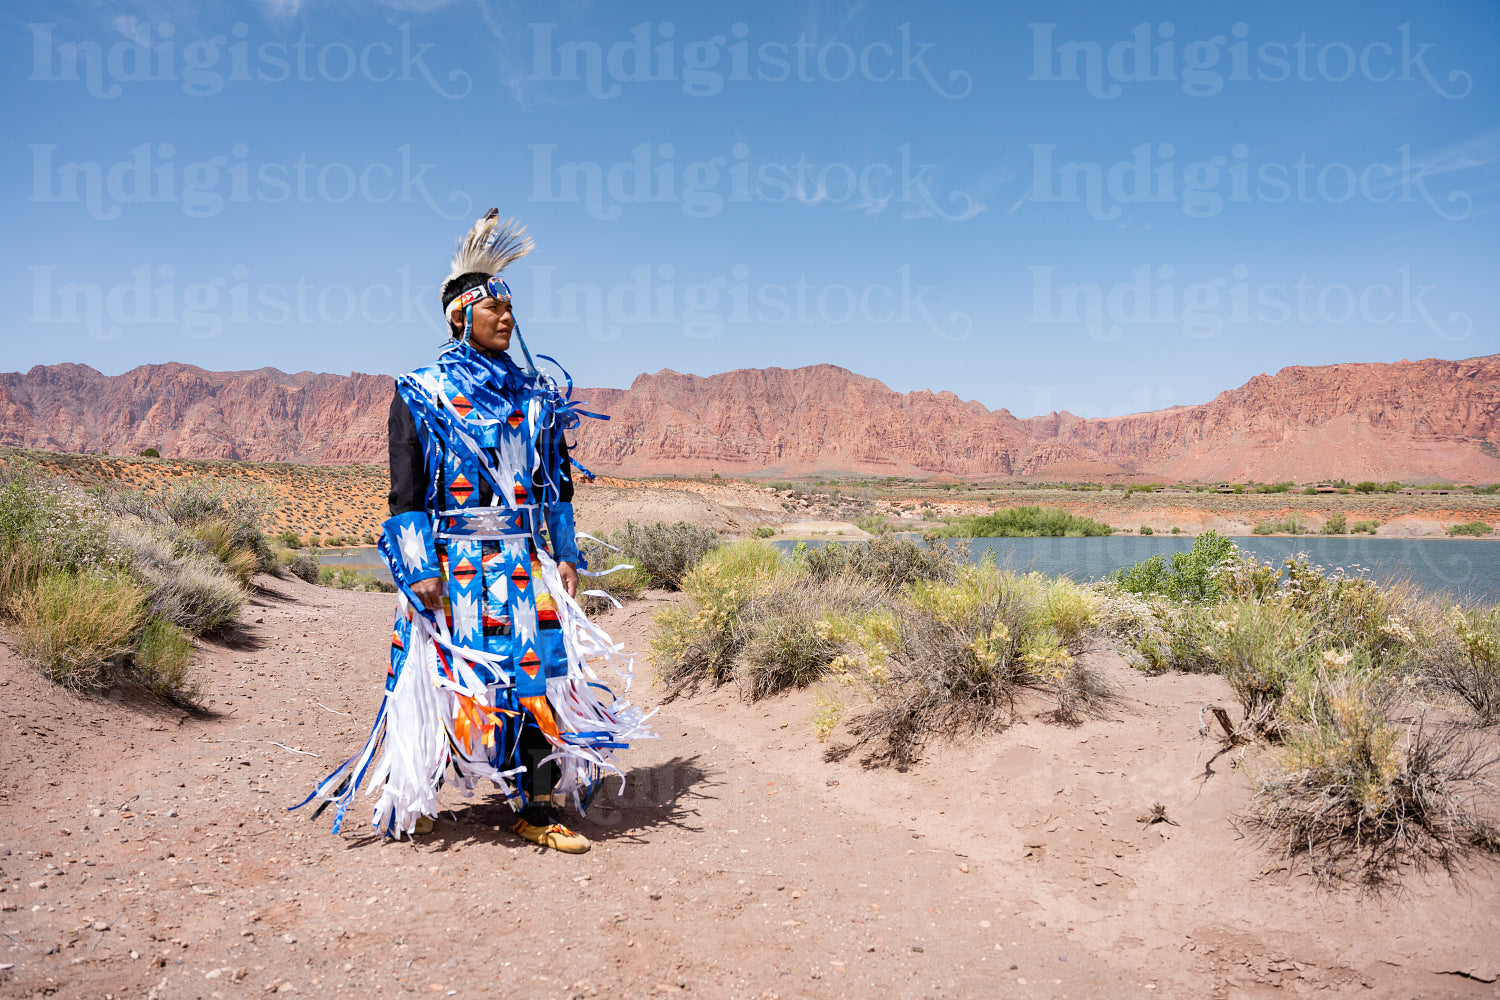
(1477, 151)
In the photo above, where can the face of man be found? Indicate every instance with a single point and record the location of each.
(493, 324)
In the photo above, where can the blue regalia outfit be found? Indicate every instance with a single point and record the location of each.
(502, 684)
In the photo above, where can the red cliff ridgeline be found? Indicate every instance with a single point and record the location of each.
(1422, 420)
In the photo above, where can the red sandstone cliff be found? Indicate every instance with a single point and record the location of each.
(186, 412)
(1412, 420)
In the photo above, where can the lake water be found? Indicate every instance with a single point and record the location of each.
(364, 559)
(1465, 567)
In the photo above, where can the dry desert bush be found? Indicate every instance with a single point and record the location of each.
(1330, 669)
(944, 652)
(105, 587)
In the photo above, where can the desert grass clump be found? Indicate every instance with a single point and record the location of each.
(665, 552)
(1464, 658)
(1256, 646)
(796, 629)
(701, 640)
(185, 585)
(162, 663)
(73, 626)
(233, 517)
(1358, 795)
(967, 648)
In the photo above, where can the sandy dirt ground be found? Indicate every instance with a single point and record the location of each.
(146, 853)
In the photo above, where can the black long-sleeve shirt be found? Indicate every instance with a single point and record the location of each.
(409, 470)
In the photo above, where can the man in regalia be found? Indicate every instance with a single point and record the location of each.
(491, 656)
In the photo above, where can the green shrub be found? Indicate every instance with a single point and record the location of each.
(73, 625)
(874, 524)
(1147, 530)
(1363, 527)
(1192, 575)
(313, 541)
(764, 531)
(1477, 529)
(1366, 486)
(291, 539)
(1176, 531)
(161, 663)
(665, 552)
(349, 578)
(1334, 525)
(1292, 524)
(150, 453)
(1029, 522)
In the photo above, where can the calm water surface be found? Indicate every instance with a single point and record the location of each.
(1465, 567)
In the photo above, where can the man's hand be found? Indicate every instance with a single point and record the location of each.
(569, 574)
(429, 592)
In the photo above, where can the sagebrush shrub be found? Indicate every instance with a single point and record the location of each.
(885, 561)
(665, 552)
(305, 566)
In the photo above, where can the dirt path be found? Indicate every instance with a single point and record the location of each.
(144, 853)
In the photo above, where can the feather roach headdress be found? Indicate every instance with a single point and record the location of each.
(489, 248)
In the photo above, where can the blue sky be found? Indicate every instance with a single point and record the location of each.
(1101, 207)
